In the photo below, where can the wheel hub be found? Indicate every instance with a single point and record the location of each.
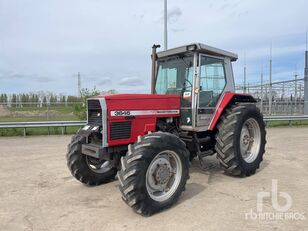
(250, 140)
(245, 139)
(162, 174)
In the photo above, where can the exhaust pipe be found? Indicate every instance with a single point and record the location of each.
(154, 57)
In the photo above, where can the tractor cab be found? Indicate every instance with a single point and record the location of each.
(199, 74)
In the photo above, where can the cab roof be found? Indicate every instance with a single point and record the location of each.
(199, 47)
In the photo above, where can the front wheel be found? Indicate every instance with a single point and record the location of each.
(154, 172)
(86, 169)
(241, 139)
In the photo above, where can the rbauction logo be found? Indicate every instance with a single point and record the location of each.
(281, 202)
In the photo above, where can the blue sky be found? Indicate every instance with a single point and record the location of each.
(43, 44)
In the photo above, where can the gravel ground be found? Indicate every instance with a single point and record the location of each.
(38, 193)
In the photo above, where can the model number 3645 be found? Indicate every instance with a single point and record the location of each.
(120, 113)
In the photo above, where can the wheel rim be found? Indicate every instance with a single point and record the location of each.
(163, 175)
(98, 166)
(250, 140)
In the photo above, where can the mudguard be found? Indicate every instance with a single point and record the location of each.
(227, 99)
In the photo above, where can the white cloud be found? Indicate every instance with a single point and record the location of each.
(104, 81)
(56, 39)
(174, 14)
(131, 81)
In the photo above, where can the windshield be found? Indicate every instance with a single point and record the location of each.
(174, 75)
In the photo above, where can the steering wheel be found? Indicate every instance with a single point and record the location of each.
(190, 84)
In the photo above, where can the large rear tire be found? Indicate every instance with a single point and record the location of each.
(154, 172)
(88, 170)
(241, 139)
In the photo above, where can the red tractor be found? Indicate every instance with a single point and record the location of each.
(148, 140)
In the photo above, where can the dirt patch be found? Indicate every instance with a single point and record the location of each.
(38, 192)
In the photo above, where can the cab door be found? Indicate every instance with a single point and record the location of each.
(212, 82)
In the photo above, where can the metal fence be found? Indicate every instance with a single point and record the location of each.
(278, 98)
(40, 124)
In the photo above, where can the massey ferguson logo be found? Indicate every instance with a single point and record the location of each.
(120, 113)
(144, 112)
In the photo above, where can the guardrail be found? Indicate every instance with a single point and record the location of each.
(64, 124)
(48, 124)
(285, 118)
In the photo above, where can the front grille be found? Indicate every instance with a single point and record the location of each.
(94, 113)
(120, 130)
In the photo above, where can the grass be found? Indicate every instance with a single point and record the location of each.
(287, 123)
(32, 114)
(29, 114)
(62, 109)
(36, 118)
(36, 131)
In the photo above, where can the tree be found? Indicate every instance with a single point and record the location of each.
(80, 109)
(14, 100)
(5, 98)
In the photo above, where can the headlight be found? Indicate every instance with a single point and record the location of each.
(95, 128)
(86, 127)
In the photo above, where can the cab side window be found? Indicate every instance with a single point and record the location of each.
(212, 81)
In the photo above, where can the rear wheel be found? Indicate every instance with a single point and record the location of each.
(86, 169)
(154, 172)
(241, 139)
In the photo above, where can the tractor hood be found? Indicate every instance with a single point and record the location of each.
(119, 105)
(136, 96)
(126, 116)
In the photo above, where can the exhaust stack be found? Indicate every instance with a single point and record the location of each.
(154, 57)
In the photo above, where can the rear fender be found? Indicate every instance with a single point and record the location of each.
(227, 99)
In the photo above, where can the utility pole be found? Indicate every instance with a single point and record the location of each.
(306, 78)
(261, 91)
(295, 91)
(165, 25)
(283, 90)
(245, 70)
(79, 85)
(270, 83)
